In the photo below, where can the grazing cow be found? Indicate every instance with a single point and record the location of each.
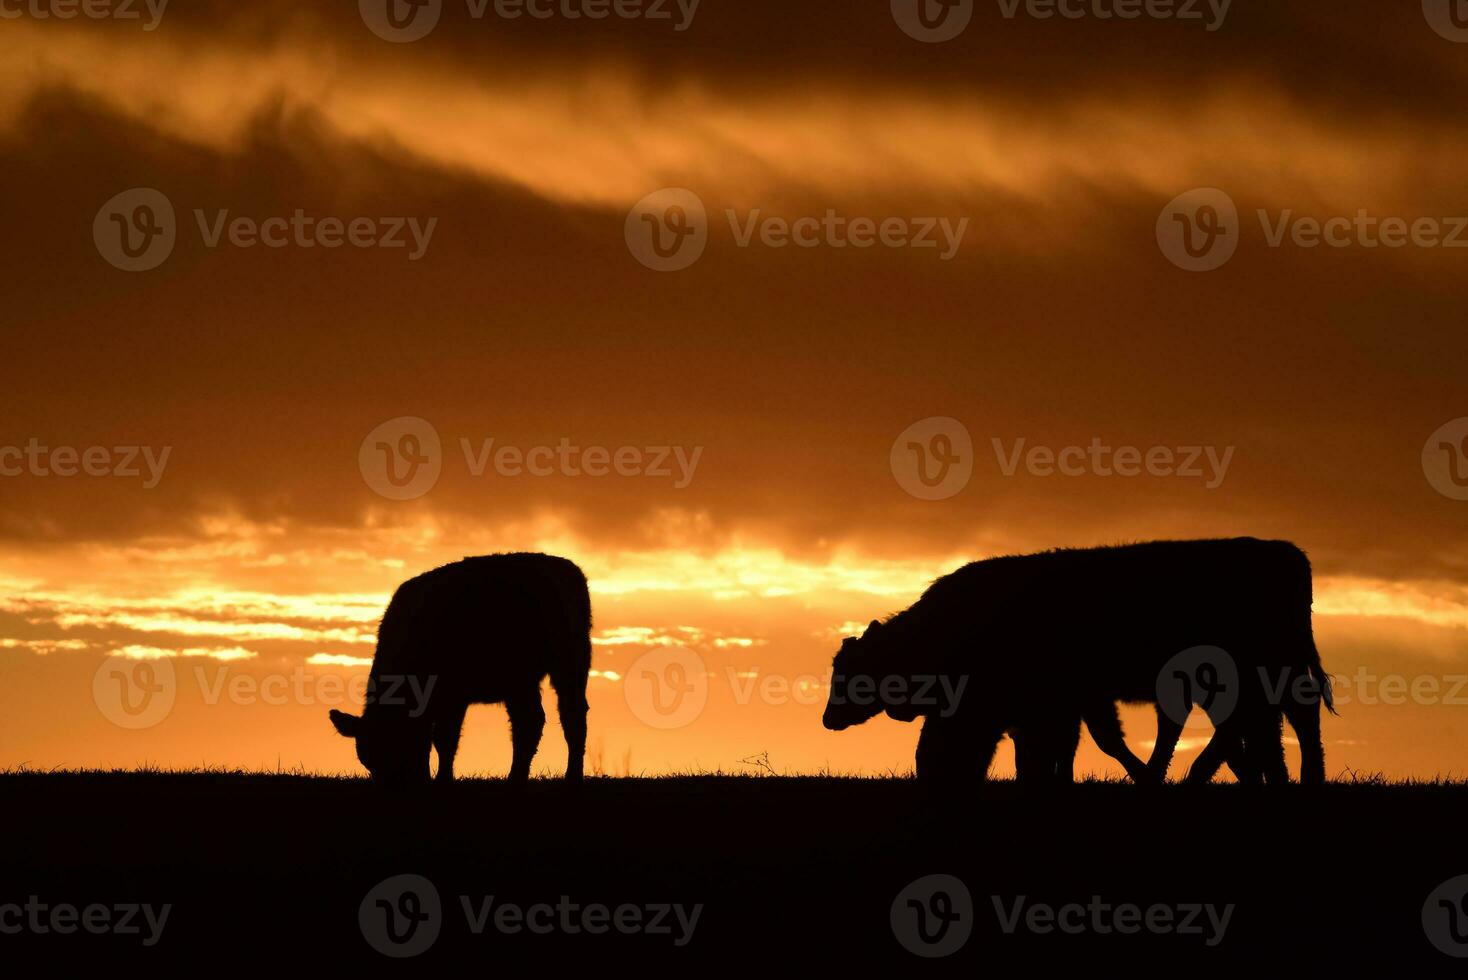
(1071, 630)
(479, 631)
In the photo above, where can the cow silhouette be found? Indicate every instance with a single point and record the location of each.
(484, 630)
(1031, 643)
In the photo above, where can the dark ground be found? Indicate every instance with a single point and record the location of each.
(793, 873)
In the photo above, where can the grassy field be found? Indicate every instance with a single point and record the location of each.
(275, 867)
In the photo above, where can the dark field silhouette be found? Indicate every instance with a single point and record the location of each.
(484, 630)
(740, 872)
(1033, 644)
(274, 869)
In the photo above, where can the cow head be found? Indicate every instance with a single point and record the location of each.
(856, 675)
(395, 751)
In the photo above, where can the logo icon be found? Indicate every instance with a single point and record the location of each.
(667, 687)
(402, 458)
(1445, 459)
(401, 916)
(1199, 231)
(134, 694)
(932, 21)
(933, 916)
(667, 230)
(1445, 917)
(933, 459)
(400, 21)
(135, 230)
(1449, 18)
(1204, 675)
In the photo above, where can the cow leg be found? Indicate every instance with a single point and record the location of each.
(1305, 720)
(1168, 733)
(1033, 760)
(926, 762)
(1045, 749)
(949, 751)
(446, 730)
(1244, 769)
(1063, 750)
(935, 759)
(1104, 724)
(527, 721)
(1264, 747)
(1225, 740)
(571, 706)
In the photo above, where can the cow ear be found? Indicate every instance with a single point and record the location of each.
(345, 724)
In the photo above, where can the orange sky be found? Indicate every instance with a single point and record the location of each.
(263, 556)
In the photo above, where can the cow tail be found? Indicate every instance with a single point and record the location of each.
(1321, 678)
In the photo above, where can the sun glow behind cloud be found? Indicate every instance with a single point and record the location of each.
(95, 613)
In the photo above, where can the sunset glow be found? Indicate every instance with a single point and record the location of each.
(266, 553)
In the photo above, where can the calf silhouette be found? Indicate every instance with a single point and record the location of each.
(479, 631)
(1030, 643)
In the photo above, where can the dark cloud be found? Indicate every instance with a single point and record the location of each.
(528, 321)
